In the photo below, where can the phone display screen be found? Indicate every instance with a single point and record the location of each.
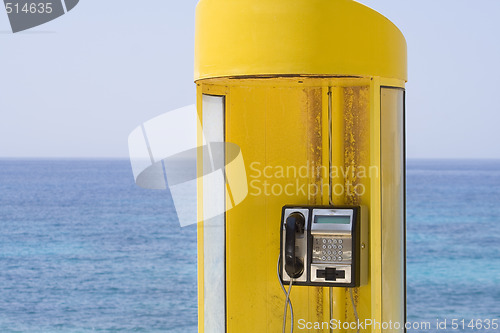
(336, 219)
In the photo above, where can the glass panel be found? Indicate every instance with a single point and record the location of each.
(214, 227)
(393, 219)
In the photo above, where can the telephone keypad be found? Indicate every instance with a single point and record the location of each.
(330, 249)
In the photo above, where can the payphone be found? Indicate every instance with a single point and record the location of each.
(324, 246)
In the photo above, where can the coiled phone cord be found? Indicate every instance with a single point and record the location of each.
(354, 309)
(288, 301)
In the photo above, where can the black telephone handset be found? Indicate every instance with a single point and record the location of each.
(294, 225)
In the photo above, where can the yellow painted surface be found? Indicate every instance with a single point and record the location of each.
(303, 37)
(253, 227)
(283, 123)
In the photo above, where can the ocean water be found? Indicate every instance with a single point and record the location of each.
(453, 241)
(82, 249)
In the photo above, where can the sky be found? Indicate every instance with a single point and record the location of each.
(78, 85)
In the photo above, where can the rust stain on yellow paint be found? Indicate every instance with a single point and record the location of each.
(313, 111)
(356, 142)
(356, 156)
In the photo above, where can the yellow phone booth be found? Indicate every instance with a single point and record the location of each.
(312, 92)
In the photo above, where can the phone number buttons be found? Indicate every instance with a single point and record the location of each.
(328, 249)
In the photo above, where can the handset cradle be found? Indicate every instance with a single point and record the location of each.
(294, 225)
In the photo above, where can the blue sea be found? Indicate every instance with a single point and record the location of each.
(83, 249)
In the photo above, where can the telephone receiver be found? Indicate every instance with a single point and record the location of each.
(294, 225)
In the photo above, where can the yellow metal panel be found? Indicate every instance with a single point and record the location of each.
(326, 144)
(337, 179)
(326, 161)
(248, 226)
(253, 226)
(351, 172)
(306, 37)
(357, 166)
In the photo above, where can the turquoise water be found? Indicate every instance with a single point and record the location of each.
(453, 240)
(82, 249)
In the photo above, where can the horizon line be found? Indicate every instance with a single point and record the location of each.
(127, 158)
